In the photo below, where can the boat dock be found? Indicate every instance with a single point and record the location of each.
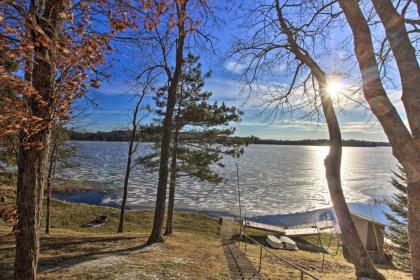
(311, 229)
(271, 228)
(301, 230)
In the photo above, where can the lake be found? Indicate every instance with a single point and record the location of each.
(273, 179)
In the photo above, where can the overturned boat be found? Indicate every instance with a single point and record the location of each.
(283, 242)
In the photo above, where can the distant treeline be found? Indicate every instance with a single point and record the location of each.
(124, 135)
(113, 135)
(320, 142)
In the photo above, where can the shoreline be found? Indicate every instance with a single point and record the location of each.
(95, 197)
(371, 144)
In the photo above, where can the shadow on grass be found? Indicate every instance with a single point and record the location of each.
(53, 264)
(63, 261)
(57, 242)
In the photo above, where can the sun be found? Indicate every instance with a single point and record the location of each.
(334, 87)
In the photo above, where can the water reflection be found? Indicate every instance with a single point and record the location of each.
(274, 179)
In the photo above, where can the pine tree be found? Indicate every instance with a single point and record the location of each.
(397, 229)
(200, 132)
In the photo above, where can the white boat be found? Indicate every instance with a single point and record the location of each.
(283, 242)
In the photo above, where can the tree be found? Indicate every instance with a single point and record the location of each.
(135, 137)
(60, 152)
(397, 230)
(405, 142)
(199, 133)
(178, 22)
(8, 152)
(58, 49)
(278, 38)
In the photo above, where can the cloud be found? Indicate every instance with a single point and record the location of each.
(225, 90)
(235, 67)
(361, 127)
(114, 88)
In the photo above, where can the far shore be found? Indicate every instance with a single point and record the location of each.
(309, 142)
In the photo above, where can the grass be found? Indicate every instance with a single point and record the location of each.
(309, 257)
(77, 186)
(70, 252)
(194, 251)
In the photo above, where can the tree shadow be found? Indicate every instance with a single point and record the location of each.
(52, 264)
(67, 245)
(58, 242)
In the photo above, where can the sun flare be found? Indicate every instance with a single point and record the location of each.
(334, 87)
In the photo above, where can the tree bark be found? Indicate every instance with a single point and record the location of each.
(50, 176)
(33, 160)
(128, 167)
(127, 176)
(362, 262)
(405, 147)
(406, 59)
(31, 180)
(413, 189)
(374, 92)
(172, 185)
(156, 234)
(405, 56)
(32, 175)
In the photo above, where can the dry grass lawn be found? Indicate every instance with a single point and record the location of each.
(72, 252)
(335, 265)
(194, 251)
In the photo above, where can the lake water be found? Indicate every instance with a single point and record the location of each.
(274, 179)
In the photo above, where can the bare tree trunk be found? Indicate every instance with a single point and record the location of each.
(156, 234)
(418, 6)
(33, 160)
(362, 262)
(405, 147)
(31, 180)
(128, 170)
(405, 56)
(32, 175)
(374, 92)
(50, 176)
(131, 150)
(172, 185)
(413, 188)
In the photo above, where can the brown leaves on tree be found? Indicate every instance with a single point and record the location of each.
(73, 51)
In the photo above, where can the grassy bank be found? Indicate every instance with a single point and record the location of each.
(73, 252)
(309, 257)
(193, 252)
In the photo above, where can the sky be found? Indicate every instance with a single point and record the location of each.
(114, 101)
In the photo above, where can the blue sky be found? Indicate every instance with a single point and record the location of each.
(115, 102)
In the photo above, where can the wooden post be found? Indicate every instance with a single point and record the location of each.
(374, 231)
(239, 195)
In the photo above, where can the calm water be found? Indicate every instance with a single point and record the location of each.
(273, 179)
